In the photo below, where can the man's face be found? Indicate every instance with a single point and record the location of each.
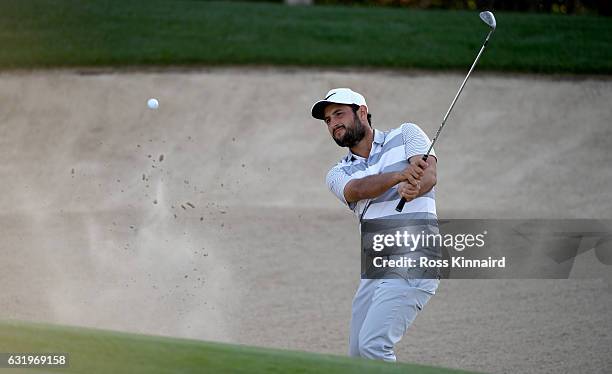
(344, 125)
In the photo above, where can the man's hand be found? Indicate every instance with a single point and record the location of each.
(418, 178)
(414, 172)
(408, 191)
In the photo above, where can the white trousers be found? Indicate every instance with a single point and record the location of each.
(383, 309)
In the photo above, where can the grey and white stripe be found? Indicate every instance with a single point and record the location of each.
(390, 152)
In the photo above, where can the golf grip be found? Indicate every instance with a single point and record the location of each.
(400, 205)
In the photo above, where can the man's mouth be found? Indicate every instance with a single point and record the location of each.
(338, 129)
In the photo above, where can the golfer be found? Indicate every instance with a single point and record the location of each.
(379, 169)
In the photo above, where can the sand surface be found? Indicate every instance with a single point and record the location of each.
(209, 217)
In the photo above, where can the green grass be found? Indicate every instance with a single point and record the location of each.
(98, 351)
(63, 33)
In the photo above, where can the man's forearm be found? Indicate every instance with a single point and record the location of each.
(427, 182)
(371, 186)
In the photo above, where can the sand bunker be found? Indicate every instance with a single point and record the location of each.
(209, 218)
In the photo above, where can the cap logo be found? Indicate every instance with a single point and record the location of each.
(330, 95)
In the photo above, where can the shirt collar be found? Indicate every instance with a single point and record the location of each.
(379, 138)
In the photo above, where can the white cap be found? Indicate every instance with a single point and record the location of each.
(337, 96)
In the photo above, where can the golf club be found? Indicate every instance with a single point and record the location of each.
(489, 19)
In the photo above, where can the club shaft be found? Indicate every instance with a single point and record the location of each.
(450, 108)
(400, 205)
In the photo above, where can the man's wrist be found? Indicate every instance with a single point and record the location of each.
(397, 178)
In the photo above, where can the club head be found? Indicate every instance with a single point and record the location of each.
(489, 19)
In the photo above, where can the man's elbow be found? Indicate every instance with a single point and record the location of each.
(352, 191)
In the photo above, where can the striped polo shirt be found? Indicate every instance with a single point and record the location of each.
(390, 152)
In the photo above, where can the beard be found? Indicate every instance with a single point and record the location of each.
(352, 134)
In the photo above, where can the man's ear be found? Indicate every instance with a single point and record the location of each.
(363, 113)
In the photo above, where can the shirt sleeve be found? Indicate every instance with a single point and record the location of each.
(416, 142)
(336, 180)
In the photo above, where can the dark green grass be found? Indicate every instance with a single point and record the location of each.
(60, 33)
(98, 351)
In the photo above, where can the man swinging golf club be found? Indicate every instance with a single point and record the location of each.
(380, 168)
(385, 175)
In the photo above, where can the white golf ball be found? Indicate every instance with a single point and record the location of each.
(153, 103)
